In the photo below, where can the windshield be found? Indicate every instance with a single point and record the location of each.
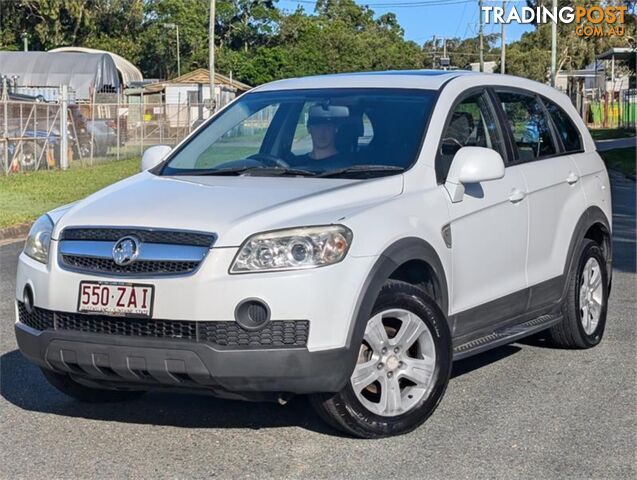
(321, 133)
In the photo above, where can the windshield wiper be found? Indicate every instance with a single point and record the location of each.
(361, 169)
(258, 171)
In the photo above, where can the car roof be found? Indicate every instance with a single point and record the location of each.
(420, 79)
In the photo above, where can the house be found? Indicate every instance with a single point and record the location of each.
(185, 99)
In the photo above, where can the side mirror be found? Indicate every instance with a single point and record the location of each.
(153, 156)
(472, 165)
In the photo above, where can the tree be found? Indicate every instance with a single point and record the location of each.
(530, 56)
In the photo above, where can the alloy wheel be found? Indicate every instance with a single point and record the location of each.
(396, 363)
(591, 295)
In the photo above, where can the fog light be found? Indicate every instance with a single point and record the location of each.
(252, 314)
(28, 299)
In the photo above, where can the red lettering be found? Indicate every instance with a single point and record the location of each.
(105, 295)
(121, 291)
(95, 295)
(86, 297)
(132, 300)
(145, 292)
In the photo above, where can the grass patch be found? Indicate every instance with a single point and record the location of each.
(608, 133)
(622, 159)
(26, 196)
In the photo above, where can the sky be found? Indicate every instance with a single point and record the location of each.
(422, 19)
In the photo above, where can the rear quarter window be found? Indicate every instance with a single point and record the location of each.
(566, 129)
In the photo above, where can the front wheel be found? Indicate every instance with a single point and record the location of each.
(402, 370)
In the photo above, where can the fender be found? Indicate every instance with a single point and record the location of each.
(591, 216)
(404, 250)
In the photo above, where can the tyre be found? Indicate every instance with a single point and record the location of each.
(586, 301)
(402, 369)
(68, 386)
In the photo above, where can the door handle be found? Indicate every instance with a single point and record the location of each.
(572, 178)
(517, 195)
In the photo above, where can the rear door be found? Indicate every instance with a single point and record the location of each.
(488, 227)
(541, 150)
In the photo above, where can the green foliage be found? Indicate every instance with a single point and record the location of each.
(531, 55)
(258, 42)
(255, 40)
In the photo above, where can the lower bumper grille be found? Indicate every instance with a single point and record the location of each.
(277, 334)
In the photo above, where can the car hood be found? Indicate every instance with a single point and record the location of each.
(232, 207)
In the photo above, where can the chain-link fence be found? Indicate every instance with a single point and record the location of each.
(32, 134)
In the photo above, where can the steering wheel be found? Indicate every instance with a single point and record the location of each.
(269, 160)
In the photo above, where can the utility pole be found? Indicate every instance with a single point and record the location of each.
(178, 60)
(503, 45)
(211, 56)
(64, 137)
(433, 51)
(481, 35)
(25, 41)
(445, 63)
(554, 47)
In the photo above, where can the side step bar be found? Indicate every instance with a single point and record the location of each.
(504, 336)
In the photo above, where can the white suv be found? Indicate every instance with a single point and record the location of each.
(344, 236)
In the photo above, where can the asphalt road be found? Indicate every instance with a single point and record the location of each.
(613, 143)
(521, 411)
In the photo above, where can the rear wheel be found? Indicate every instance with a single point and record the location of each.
(402, 370)
(586, 302)
(68, 386)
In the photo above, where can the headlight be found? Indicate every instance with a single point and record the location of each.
(39, 239)
(293, 249)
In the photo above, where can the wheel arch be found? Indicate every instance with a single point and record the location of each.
(593, 225)
(407, 259)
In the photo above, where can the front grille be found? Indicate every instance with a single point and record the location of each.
(160, 252)
(140, 267)
(146, 235)
(39, 319)
(229, 334)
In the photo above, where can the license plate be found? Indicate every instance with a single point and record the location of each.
(130, 299)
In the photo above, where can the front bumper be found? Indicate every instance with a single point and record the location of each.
(326, 297)
(113, 361)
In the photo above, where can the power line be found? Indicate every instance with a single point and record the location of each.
(464, 9)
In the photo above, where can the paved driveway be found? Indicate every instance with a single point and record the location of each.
(523, 410)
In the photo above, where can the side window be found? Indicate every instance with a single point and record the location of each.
(472, 124)
(566, 129)
(529, 126)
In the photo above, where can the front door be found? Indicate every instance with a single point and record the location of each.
(488, 226)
